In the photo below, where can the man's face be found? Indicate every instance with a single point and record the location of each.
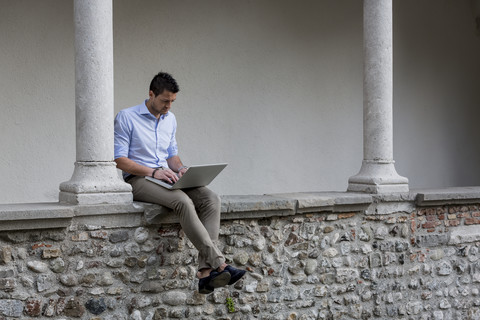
(160, 104)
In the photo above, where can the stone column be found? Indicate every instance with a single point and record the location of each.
(95, 179)
(378, 174)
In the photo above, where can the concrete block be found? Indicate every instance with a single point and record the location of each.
(465, 234)
(432, 240)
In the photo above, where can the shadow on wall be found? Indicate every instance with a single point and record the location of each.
(476, 15)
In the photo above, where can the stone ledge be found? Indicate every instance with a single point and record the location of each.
(272, 205)
(106, 209)
(109, 215)
(28, 216)
(232, 207)
(383, 204)
(459, 195)
(59, 215)
(309, 202)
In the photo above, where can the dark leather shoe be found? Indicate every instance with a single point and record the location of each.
(235, 274)
(214, 280)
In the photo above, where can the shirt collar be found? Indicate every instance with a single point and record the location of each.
(144, 110)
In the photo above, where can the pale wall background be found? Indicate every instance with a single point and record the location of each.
(272, 87)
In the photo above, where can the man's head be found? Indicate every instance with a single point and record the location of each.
(163, 81)
(162, 93)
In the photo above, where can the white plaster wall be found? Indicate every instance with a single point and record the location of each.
(437, 93)
(37, 99)
(274, 88)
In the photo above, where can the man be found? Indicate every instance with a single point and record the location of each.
(145, 145)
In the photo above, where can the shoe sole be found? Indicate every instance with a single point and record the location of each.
(238, 277)
(205, 290)
(235, 274)
(220, 281)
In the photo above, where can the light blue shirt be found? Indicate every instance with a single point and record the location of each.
(142, 138)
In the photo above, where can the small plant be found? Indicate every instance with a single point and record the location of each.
(230, 305)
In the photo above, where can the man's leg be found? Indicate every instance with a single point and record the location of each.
(209, 255)
(207, 204)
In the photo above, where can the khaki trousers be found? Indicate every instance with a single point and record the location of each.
(198, 210)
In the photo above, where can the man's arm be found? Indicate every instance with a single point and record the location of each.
(176, 164)
(130, 166)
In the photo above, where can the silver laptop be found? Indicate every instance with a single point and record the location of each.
(196, 176)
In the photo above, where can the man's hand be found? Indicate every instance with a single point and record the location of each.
(166, 175)
(182, 171)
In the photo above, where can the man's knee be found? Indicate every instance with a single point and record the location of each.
(214, 200)
(183, 204)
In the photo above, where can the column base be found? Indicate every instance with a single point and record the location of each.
(95, 183)
(378, 177)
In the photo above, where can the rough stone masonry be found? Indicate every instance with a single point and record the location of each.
(421, 264)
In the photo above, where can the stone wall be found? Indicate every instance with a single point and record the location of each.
(337, 261)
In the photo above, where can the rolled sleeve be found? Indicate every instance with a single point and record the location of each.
(173, 148)
(121, 136)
